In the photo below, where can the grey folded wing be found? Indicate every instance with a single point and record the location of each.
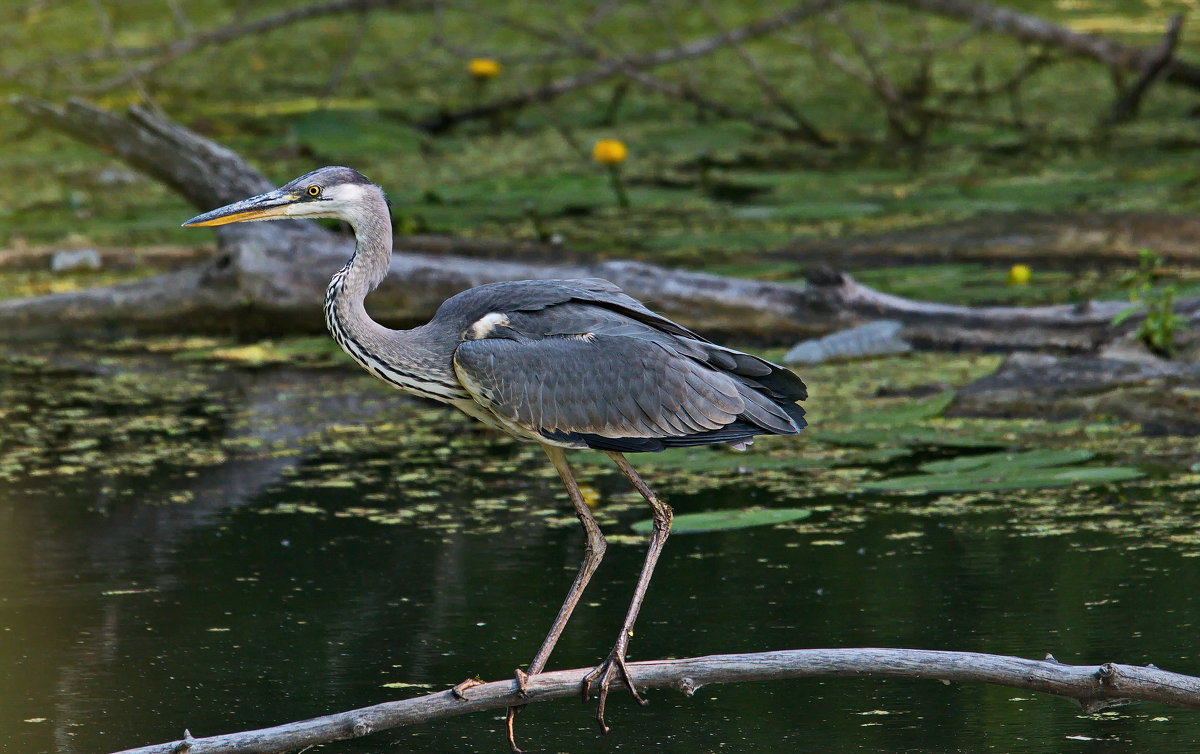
(580, 377)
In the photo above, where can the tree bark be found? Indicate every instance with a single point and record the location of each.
(1093, 686)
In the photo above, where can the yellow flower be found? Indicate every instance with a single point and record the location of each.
(609, 152)
(1019, 274)
(484, 68)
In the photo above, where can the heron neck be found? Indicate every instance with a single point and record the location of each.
(345, 310)
(368, 266)
(400, 357)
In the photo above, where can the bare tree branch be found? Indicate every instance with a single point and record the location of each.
(1127, 105)
(1032, 29)
(104, 19)
(174, 49)
(1093, 686)
(182, 22)
(770, 92)
(605, 50)
(909, 116)
(692, 71)
(607, 69)
(352, 50)
(225, 34)
(688, 94)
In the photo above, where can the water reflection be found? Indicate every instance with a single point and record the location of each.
(268, 586)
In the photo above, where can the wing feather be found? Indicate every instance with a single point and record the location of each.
(586, 366)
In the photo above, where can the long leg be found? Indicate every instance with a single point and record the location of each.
(604, 672)
(592, 554)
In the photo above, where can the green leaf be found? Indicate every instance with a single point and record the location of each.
(692, 523)
(1097, 474)
(1125, 314)
(993, 478)
(905, 436)
(905, 413)
(1029, 459)
(710, 459)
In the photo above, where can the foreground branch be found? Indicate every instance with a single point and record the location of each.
(1093, 686)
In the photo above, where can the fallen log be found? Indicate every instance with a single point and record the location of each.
(1095, 687)
(270, 277)
(1159, 395)
(1066, 240)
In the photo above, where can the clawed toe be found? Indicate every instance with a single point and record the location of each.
(460, 689)
(601, 676)
(510, 720)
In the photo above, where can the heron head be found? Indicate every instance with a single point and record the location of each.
(336, 192)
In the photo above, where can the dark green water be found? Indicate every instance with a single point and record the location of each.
(245, 587)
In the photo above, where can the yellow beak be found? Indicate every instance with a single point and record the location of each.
(262, 207)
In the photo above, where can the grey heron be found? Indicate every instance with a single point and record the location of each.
(565, 363)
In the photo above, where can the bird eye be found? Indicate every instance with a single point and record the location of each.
(314, 190)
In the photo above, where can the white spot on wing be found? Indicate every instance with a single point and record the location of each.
(485, 325)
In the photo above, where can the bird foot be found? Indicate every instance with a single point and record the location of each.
(510, 720)
(604, 674)
(510, 729)
(460, 689)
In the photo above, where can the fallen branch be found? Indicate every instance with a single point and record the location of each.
(1093, 686)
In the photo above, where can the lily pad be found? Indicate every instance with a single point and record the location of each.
(741, 518)
(1029, 459)
(997, 477)
(705, 459)
(905, 413)
(908, 435)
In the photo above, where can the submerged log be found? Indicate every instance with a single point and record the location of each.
(1159, 395)
(270, 277)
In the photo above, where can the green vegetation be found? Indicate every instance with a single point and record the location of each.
(339, 531)
(140, 421)
(1160, 322)
(705, 192)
